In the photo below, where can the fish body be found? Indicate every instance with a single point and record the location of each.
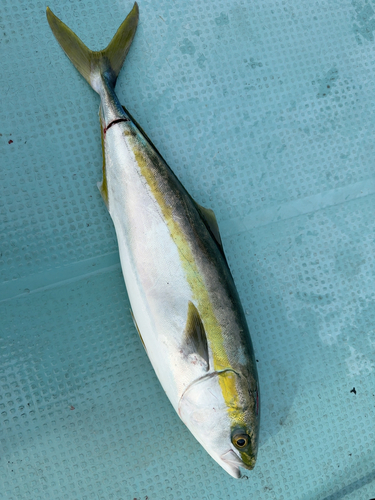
(183, 298)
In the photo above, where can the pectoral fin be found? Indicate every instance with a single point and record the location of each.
(195, 346)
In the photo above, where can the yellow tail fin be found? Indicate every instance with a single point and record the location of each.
(89, 63)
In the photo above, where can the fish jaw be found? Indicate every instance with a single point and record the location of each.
(231, 463)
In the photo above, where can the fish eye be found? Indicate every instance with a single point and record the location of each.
(240, 440)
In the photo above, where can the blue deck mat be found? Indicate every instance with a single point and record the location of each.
(266, 112)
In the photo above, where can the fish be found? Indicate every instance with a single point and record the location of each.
(184, 302)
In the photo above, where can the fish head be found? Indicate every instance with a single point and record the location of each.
(222, 412)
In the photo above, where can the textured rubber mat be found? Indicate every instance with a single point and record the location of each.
(266, 112)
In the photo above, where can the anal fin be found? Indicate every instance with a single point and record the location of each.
(139, 333)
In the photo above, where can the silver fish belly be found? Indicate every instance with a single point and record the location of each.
(184, 302)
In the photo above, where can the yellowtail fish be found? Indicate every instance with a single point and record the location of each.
(184, 302)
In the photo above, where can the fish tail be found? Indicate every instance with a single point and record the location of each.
(94, 66)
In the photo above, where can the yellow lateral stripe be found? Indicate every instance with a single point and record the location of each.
(199, 290)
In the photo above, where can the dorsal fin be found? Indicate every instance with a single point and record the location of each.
(209, 219)
(195, 346)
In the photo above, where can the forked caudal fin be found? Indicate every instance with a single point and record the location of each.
(93, 65)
